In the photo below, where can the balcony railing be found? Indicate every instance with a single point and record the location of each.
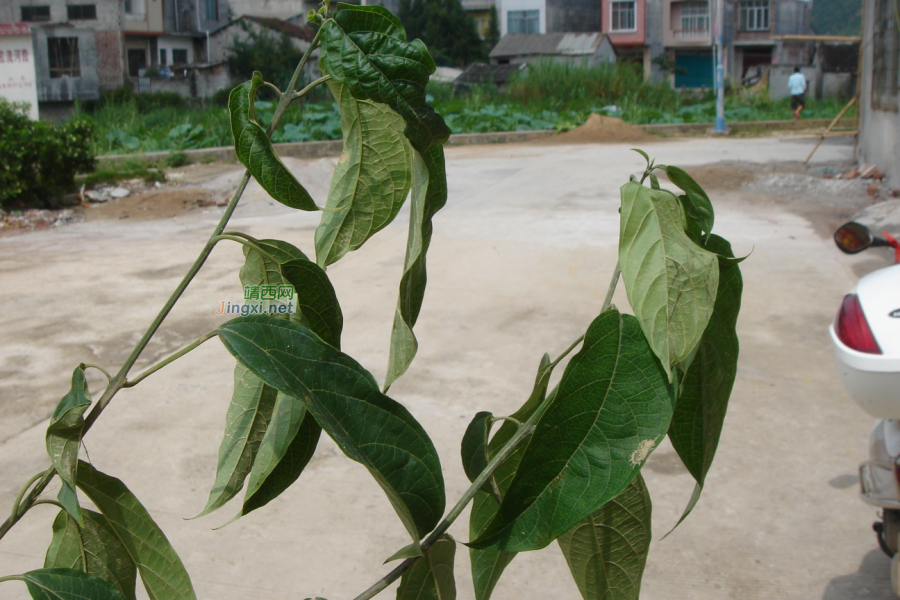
(691, 33)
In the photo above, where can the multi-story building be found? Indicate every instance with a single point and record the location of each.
(548, 16)
(82, 49)
(635, 29)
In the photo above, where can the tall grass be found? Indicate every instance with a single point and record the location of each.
(572, 86)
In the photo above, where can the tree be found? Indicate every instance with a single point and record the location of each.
(261, 50)
(446, 28)
(493, 35)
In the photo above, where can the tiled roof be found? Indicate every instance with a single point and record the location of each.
(304, 33)
(525, 44)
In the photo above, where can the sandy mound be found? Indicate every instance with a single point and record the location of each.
(600, 129)
(161, 204)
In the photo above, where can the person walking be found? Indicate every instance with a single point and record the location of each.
(797, 85)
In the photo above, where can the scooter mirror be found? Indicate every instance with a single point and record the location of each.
(853, 237)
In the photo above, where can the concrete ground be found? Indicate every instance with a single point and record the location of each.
(519, 266)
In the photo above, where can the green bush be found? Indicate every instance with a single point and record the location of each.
(177, 159)
(40, 160)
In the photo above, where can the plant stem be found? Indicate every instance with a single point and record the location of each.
(612, 288)
(42, 480)
(288, 95)
(12, 578)
(170, 359)
(306, 90)
(99, 368)
(18, 500)
(242, 240)
(48, 501)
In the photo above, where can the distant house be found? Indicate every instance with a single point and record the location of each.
(548, 16)
(222, 39)
(879, 119)
(580, 48)
(480, 73)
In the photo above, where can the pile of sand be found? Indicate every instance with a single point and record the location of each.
(600, 129)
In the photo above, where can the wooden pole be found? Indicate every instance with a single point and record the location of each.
(833, 123)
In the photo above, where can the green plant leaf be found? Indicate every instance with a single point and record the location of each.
(365, 48)
(474, 448)
(431, 578)
(408, 551)
(285, 450)
(698, 207)
(68, 584)
(654, 182)
(671, 281)
(371, 428)
(429, 195)
(705, 390)
(607, 551)
(246, 423)
(64, 437)
(162, 572)
(613, 406)
(316, 299)
(254, 149)
(488, 563)
(93, 549)
(371, 180)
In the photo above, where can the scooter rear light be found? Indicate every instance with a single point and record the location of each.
(853, 329)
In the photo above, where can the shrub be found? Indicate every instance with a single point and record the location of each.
(40, 160)
(177, 159)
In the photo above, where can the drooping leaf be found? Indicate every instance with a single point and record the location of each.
(429, 195)
(68, 584)
(285, 450)
(408, 551)
(369, 427)
(474, 447)
(258, 270)
(697, 206)
(162, 572)
(316, 299)
(93, 549)
(64, 438)
(670, 281)
(365, 48)
(700, 411)
(654, 182)
(431, 578)
(245, 425)
(371, 180)
(613, 406)
(255, 151)
(489, 563)
(607, 551)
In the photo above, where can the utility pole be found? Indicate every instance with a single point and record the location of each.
(720, 68)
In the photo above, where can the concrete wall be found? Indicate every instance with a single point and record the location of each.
(199, 83)
(190, 15)
(778, 78)
(17, 82)
(841, 85)
(879, 130)
(84, 87)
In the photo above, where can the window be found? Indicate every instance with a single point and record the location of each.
(63, 57)
(754, 15)
(885, 57)
(622, 16)
(162, 57)
(523, 21)
(695, 16)
(82, 12)
(134, 7)
(35, 13)
(179, 57)
(212, 10)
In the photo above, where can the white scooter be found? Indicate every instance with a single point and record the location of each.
(866, 337)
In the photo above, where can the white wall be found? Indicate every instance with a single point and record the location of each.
(17, 78)
(175, 43)
(514, 5)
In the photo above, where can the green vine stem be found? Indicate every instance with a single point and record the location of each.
(171, 359)
(307, 89)
(120, 380)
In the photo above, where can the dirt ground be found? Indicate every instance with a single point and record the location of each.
(519, 265)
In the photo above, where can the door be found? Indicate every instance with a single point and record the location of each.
(695, 70)
(137, 60)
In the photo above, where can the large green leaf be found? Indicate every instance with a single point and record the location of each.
(285, 450)
(64, 438)
(613, 406)
(488, 563)
(93, 549)
(671, 281)
(246, 423)
(370, 428)
(696, 203)
(162, 572)
(258, 270)
(429, 195)
(365, 48)
(607, 551)
(431, 578)
(255, 151)
(706, 387)
(474, 446)
(371, 180)
(67, 584)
